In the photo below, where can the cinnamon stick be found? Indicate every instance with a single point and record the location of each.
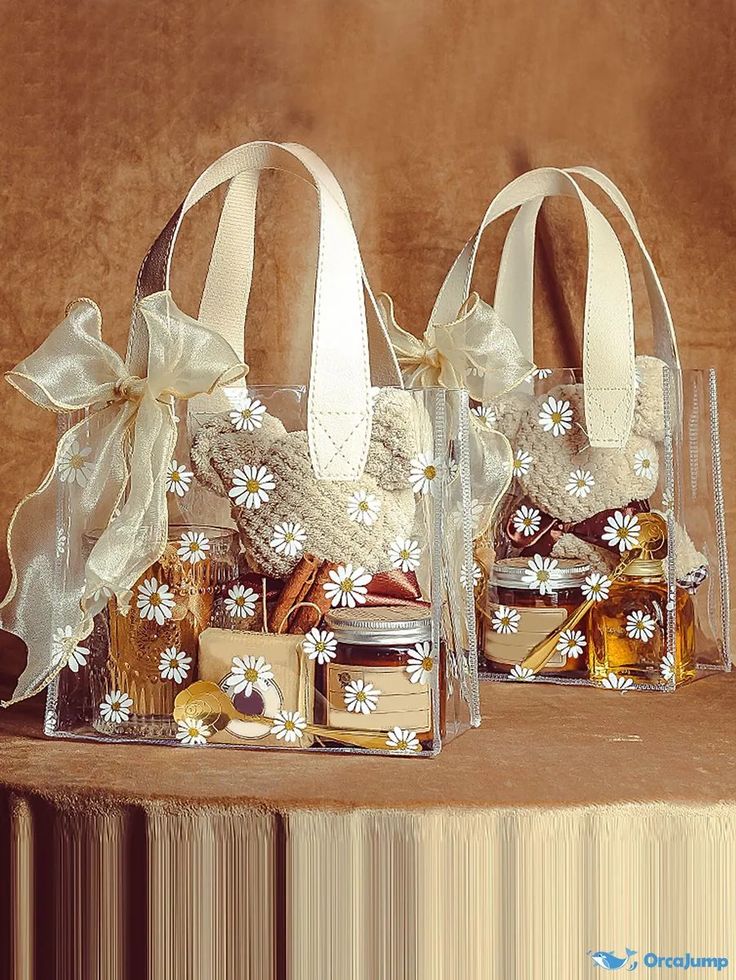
(295, 590)
(307, 617)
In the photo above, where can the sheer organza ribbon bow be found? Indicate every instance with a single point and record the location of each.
(477, 352)
(70, 552)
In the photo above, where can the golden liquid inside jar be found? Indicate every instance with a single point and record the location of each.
(127, 650)
(628, 630)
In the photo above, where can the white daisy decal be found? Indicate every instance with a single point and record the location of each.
(477, 575)
(521, 464)
(251, 486)
(61, 542)
(423, 471)
(538, 574)
(571, 643)
(116, 707)
(640, 626)
(403, 740)
(155, 601)
(241, 602)
(247, 673)
(520, 673)
(174, 665)
(667, 666)
(361, 696)
(622, 531)
(193, 547)
(75, 465)
(363, 508)
(580, 483)
(596, 586)
(643, 463)
(65, 651)
(526, 520)
(192, 731)
(178, 478)
(320, 645)
(506, 620)
(420, 663)
(542, 373)
(348, 586)
(485, 417)
(405, 554)
(288, 539)
(248, 415)
(615, 683)
(289, 725)
(556, 416)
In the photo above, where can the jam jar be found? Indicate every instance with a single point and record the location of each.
(518, 617)
(381, 674)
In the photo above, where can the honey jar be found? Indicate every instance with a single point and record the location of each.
(381, 674)
(517, 617)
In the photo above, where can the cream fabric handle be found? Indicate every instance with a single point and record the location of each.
(514, 298)
(608, 328)
(226, 293)
(339, 411)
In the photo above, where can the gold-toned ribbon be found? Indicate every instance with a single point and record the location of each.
(69, 552)
(477, 352)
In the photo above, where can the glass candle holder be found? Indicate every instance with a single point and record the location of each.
(151, 653)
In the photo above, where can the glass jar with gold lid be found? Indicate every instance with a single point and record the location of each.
(381, 675)
(628, 631)
(517, 616)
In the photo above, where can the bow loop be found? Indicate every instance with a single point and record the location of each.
(113, 464)
(73, 368)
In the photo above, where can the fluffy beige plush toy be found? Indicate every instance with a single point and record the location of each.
(340, 522)
(558, 473)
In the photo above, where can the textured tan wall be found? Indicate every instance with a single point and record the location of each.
(424, 108)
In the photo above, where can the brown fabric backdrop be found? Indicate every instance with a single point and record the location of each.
(423, 108)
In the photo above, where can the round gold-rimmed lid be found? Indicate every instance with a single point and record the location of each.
(381, 625)
(510, 573)
(644, 568)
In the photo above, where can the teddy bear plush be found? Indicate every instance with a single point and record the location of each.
(329, 514)
(574, 486)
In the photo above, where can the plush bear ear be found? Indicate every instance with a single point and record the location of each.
(649, 405)
(509, 410)
(217, 448)
(401, 431)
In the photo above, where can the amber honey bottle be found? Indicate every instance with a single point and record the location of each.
(628, 630)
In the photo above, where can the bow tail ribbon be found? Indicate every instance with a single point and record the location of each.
(99, 518)
(551, 529)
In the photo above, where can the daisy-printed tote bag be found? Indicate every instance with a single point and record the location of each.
(240, 565)
(606, 561)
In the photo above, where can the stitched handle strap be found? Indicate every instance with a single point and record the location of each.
(514, 298)
(339, 410)
(608, 326)
(224, 304)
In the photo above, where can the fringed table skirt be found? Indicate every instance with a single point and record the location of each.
(573, 821)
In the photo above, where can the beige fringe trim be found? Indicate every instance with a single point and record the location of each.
(116, 891)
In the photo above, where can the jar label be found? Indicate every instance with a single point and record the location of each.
(399, 703)
(534, 626)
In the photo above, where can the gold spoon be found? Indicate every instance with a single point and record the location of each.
(207, 702)
(652, 534)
